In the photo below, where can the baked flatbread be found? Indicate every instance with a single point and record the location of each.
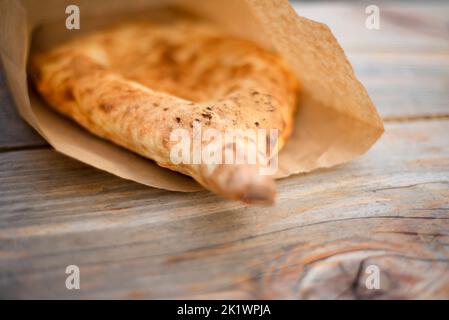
(137, 82)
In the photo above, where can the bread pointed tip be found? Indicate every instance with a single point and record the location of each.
(240, 182)
(259, 196)
(263, 194)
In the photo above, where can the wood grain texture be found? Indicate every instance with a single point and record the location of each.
(389, 208)
(405, 26)
(412, 84)
(14, 132)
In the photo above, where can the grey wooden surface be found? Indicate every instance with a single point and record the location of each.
(389, 208)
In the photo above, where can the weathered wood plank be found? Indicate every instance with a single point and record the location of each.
(405, 84)
(389, 208)
(405, 26)
(14, 132)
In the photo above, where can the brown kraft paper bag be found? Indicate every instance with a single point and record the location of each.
(336, 120)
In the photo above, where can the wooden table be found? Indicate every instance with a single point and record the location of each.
(389, 208)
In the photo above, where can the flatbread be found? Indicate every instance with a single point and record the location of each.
(135, 83)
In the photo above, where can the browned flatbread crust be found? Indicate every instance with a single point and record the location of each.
(135, 83)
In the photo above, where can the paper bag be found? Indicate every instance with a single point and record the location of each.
(336, 120)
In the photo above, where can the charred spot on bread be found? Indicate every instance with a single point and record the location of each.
(68, 94)
(106, 106)
(207, 115)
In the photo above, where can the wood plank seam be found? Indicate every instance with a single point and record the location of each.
(418, 117)
(21, 148)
